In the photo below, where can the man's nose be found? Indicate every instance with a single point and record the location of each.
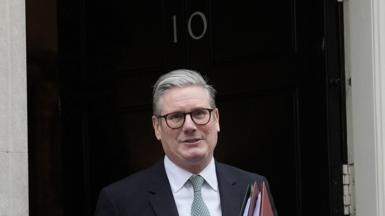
(189, 123)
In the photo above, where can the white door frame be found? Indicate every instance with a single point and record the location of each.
(13, 110)
(365, 65)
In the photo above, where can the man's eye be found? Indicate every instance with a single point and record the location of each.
(175, 116)
(199, 113)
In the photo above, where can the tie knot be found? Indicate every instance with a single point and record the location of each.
(196, 182)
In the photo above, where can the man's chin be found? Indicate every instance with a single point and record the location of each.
(195, 154)
(198, 158)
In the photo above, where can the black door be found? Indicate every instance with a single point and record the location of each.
(276, 67)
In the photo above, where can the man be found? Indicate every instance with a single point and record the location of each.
(188, 181)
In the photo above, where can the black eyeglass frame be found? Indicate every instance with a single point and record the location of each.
(210, 110)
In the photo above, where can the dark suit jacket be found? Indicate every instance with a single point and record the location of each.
(148, 193)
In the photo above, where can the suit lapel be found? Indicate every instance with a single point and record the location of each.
(231, 192)
(160, 194)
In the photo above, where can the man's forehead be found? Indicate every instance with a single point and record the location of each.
(192, 96)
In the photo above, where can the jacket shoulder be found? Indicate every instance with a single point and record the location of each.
(133, 186)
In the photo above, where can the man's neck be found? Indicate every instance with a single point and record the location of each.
(193, 167)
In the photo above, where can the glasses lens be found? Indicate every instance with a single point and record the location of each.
(175, 120)
(201, 116)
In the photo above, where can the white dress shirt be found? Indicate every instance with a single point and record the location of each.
(184, 193)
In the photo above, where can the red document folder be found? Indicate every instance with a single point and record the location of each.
(257, 195)
(266, 209)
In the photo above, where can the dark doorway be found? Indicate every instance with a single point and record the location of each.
(276, 67)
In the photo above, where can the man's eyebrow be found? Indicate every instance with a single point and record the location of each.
(192, 110)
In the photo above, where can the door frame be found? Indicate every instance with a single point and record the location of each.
(365, 67)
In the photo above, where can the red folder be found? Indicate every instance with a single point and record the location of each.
(251, 200)
(266, 209)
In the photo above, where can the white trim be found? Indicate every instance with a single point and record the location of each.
(13, 110)
(378, 49)
(365, 59)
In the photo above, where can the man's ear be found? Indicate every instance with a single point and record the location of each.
(156, 126)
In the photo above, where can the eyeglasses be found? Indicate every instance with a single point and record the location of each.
(176, 120)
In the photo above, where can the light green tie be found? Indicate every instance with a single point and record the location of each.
(198, 207)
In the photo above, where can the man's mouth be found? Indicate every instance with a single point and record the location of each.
(194, 140)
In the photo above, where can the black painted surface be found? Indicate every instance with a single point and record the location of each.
(271, 64)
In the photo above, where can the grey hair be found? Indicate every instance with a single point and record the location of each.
(180, 78)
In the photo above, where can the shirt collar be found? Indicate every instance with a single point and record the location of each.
(178, 176)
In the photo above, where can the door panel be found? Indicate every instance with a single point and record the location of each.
(124, 35)
(252, 29)
(259, 133)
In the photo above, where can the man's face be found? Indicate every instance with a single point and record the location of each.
(191, 146)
